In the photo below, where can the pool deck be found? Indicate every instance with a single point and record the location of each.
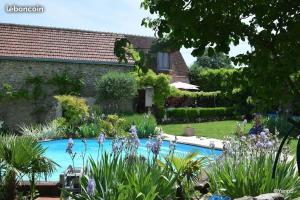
(197, 141)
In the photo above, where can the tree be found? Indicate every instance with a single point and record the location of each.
(217, 61)
(271, 27)
(19, 156)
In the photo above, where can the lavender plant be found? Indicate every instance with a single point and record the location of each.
(69, 150)
(245, 168)
(100, 142)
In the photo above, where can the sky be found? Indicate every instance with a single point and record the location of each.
(120, 16)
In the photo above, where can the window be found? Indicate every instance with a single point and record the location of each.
(163, 61)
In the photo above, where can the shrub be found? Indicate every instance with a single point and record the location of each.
(246, 168)
(160, 83)
(89, 130)
(145, 124)
(116, 85)
(194, 114)
(74, 108)
(112, 126)
(280, 124)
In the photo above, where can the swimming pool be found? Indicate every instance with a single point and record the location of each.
(56, 150)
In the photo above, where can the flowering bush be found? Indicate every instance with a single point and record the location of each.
(75, 109)
(112, 126)
(246, 168)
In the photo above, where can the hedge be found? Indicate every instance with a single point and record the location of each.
(198, 114)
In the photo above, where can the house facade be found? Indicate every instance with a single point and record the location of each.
(44, 52)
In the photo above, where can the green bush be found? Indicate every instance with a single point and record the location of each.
(89, 130)
(280, 124)
(112, 126)
(75, 109)
(145, 124)
(116, 86)
(194, 114)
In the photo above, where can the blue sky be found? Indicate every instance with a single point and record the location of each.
(121, 16)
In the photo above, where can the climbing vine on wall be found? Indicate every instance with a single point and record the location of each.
(67, 84)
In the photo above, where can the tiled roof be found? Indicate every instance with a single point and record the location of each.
(72, 45)
(24, 41)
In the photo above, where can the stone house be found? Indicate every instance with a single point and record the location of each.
(35, 51)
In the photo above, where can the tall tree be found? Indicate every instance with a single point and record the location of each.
(271, 27)
(217, 61)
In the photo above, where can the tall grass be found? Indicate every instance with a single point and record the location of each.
(41, 131)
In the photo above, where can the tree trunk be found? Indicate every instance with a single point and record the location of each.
(11, 185)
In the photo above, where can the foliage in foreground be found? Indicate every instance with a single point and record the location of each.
(117, 178)
(20, 156)
(246, 169)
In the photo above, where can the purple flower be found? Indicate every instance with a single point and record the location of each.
(136, 142)
(252, 136)
(114, 147)
(269, 144)
(91, 187)
(263, 134)
(156, 147)
(133, 130)
(148, 145)
(259, 144)
(101, 138)
(70, 146)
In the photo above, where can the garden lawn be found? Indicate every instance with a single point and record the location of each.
(217, 129)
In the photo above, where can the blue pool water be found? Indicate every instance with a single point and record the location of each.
(56, 150)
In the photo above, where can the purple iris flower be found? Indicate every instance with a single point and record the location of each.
(259, 144)
(148, 145)
(70, 146)
(156, 147)
(136, 142)
(101, 138)
(133, 130)
(269, 144)
(91, 187)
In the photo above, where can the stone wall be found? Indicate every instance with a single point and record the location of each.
(15, 73)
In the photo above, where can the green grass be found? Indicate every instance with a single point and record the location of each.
(217, 129)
